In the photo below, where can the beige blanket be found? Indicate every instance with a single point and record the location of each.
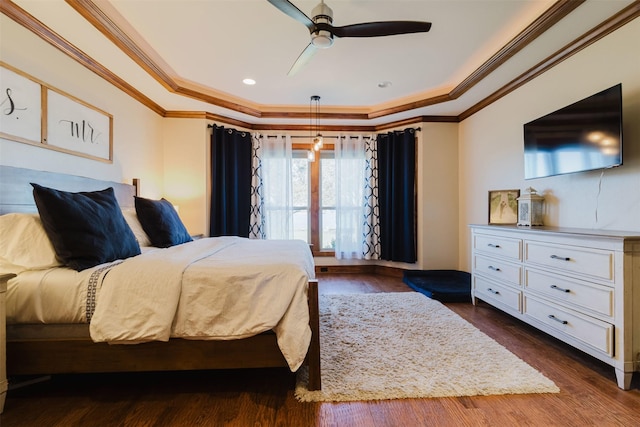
(222, 288)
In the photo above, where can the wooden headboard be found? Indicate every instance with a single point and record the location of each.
(16, 193)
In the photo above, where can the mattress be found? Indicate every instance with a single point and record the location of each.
(56, 295)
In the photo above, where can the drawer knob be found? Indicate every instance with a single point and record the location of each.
(493, 292)
(491, 267)
(552, 317)
(558, 288)
(562, 258)
(491, 245)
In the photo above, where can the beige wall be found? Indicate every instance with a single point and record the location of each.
(186, 178)
(137, 131)
(491, 144)
(438, 202)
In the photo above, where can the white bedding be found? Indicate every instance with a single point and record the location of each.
(217, 288)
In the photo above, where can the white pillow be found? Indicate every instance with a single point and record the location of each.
(24, 245)
(131, 217)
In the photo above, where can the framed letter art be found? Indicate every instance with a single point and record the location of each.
(78, 128)
(503, 206)
(20, 107)
(32, 112)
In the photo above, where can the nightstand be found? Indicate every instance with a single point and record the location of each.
(4, 278)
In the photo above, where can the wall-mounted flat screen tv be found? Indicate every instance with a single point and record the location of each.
(583, 136)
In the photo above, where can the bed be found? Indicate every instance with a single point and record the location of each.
(184, 326)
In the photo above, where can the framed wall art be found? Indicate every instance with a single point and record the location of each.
(20, 106)
(35, 113)
(503, 206)
(78, 128)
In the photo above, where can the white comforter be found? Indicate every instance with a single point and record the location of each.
(221, 288)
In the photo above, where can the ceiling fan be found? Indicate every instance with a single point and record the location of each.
(322, 32)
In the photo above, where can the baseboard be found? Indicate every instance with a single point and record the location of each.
(333, 269)
(359, 269)
(388, 271)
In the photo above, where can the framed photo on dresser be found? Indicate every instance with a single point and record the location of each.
(503, 206)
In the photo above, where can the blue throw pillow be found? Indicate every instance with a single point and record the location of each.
(85, 228)
(161, 222)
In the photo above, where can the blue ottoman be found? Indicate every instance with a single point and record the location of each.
(442, 285)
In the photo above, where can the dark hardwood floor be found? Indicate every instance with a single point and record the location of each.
(589, 395)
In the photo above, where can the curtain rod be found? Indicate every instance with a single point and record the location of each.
(327, 136)
(307, 136)
(335, 136)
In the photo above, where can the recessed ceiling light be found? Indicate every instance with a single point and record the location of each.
(249, 82)
(384, 84)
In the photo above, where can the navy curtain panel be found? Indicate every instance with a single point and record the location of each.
(230, 182)
(396, 192)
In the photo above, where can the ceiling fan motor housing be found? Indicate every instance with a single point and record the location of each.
(322, 39)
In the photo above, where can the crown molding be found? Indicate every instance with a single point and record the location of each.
(23, 18)
(106, 25)
(114, 32)
(548, 19)
(322, 128)
(623, 17)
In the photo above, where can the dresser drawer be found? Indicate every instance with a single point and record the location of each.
(593, 332)
(574, 259)
(500, 246)
(498, 269)
(582, 295)
(495, 293)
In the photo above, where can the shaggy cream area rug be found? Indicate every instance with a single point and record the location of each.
(405, 345)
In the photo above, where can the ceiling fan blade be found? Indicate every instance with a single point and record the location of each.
(289, 9)
(376, 29)
(302, 60)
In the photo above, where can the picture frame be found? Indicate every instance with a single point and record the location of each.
(35, 113)
(503, 206)
(76, 127)
(20, 105)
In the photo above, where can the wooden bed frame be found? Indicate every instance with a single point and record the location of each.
(51, 349)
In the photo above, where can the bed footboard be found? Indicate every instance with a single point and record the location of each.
(313, 356)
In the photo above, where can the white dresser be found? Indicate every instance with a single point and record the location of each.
(581, 286)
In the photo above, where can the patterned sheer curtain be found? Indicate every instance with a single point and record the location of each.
(371, 228)
(256, 220)
(272, 190)
(355, 199)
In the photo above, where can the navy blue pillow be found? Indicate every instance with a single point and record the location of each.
(86, 228)
(161, 222)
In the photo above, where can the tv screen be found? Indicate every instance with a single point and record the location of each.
(583, 136)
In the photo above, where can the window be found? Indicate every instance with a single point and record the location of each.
(314, 199)
(300, 177)
(327, 224)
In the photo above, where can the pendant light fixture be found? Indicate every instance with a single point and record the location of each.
(317, 141)
(311, 154)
